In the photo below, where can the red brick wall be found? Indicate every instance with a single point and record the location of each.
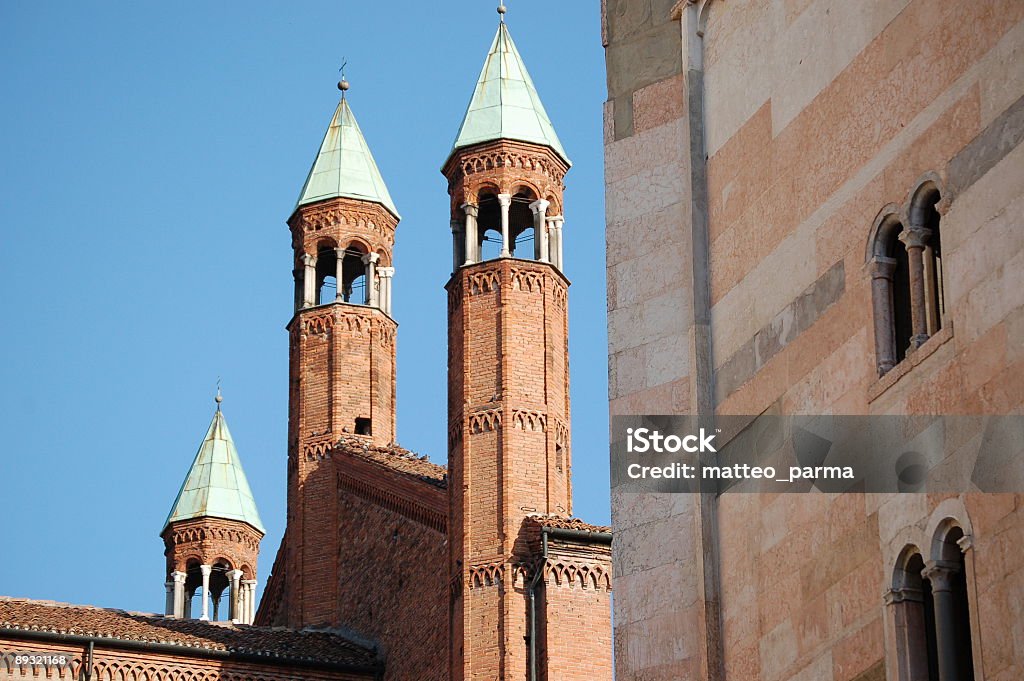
(392, 567)
(207, 540)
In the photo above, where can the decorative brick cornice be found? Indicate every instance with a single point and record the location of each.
(342, 219)
(527, 280)
(485, 574)
(529, 420)
(485, 421)
(392, 501)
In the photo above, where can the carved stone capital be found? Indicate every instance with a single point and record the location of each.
(504, 200)
(940, 573)
(385, 272)
(308, 260)
(539, 206)
(206, 570)
(966, 543)
(235, 575)
(903, 594)
(370, 257)
(915, 236)
(471, 210)
(179, 577)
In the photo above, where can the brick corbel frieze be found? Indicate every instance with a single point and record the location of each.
(342, 219)
(505, 165)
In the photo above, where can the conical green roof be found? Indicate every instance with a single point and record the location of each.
(505, 103)
(215, 485)
(345, 167)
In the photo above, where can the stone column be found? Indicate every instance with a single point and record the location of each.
(178, 610)
(908, 615)
(472, 240)
(386, 274)
(308, 280)
(169, 597)
(915, 238)
(339, 255)
(540, 231)
(505, 201)
(370, 260)
(882, 270)
(941, 575)
(206, 570)
(234, 602)
(250, 601)
(555, 226)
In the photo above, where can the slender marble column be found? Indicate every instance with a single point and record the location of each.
(505, 201)
(555, 223)
(472, 240)
(234, 602)
(915, 238)
(179, 594)
(169, 597)
(370, 260)
(540, 231)
(206, 570)
(339, 258)
(309, 280)
(386, 274)
(882, 270)
(250, 600)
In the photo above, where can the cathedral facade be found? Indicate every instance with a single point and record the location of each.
(391, 566)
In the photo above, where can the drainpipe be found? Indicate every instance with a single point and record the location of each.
(537, 574)
(581, 536)
(86, 672)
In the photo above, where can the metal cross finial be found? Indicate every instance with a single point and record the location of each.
(342, 83)
(219, 398)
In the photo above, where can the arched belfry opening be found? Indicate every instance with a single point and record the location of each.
(489, 239)
(326, 274)
(354, 281)
(521, 225)
(924, 215)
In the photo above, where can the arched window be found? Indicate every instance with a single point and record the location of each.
(924, 214)
(890, 291)
(947, 577)
(326, 281)
(521, 225)
(353, 275)
(489, 227)
(910, 599)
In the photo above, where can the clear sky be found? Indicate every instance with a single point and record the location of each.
(151, 153)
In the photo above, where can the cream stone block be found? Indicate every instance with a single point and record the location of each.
(646, 592)
(647, 233)
(629, 372)
(830, 380)
(665, 541)
(650, 189)
(667, 360)
(659, 146)
(658, 642)
(986, 198)
(899, 512)
(654, 319)
(990, 246)
(1002, 83)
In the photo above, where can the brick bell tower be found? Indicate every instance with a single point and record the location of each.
(341, 350)
(508, 381)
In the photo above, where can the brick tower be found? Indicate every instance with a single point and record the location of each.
(508, 396)
(212, 534)
(341, 351)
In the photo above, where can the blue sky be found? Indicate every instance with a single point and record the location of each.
(151, 155)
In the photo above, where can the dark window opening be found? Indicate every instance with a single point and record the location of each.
(363, 426)
(903, 328)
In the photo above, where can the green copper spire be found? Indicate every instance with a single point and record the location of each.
(345, 167)
(215, 485)
(505, 103)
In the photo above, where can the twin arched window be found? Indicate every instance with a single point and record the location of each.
(908, 289)
(932, 611)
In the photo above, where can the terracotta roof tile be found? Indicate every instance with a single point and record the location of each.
(565, 523)
(396, 458)
(277, 644)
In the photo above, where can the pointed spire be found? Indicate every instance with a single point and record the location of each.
(344, 167)
(216, 485)
(505, 103)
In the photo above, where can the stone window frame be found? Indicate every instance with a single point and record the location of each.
(903, 595)
(930, 325)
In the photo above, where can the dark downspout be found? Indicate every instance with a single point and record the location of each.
(537, 574)
(85, 674)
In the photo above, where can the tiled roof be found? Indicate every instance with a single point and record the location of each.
(277, 645)
(564, 523)
(397, 459)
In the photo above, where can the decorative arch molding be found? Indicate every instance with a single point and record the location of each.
(928, 184)
(948, 514)
(888, 219)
